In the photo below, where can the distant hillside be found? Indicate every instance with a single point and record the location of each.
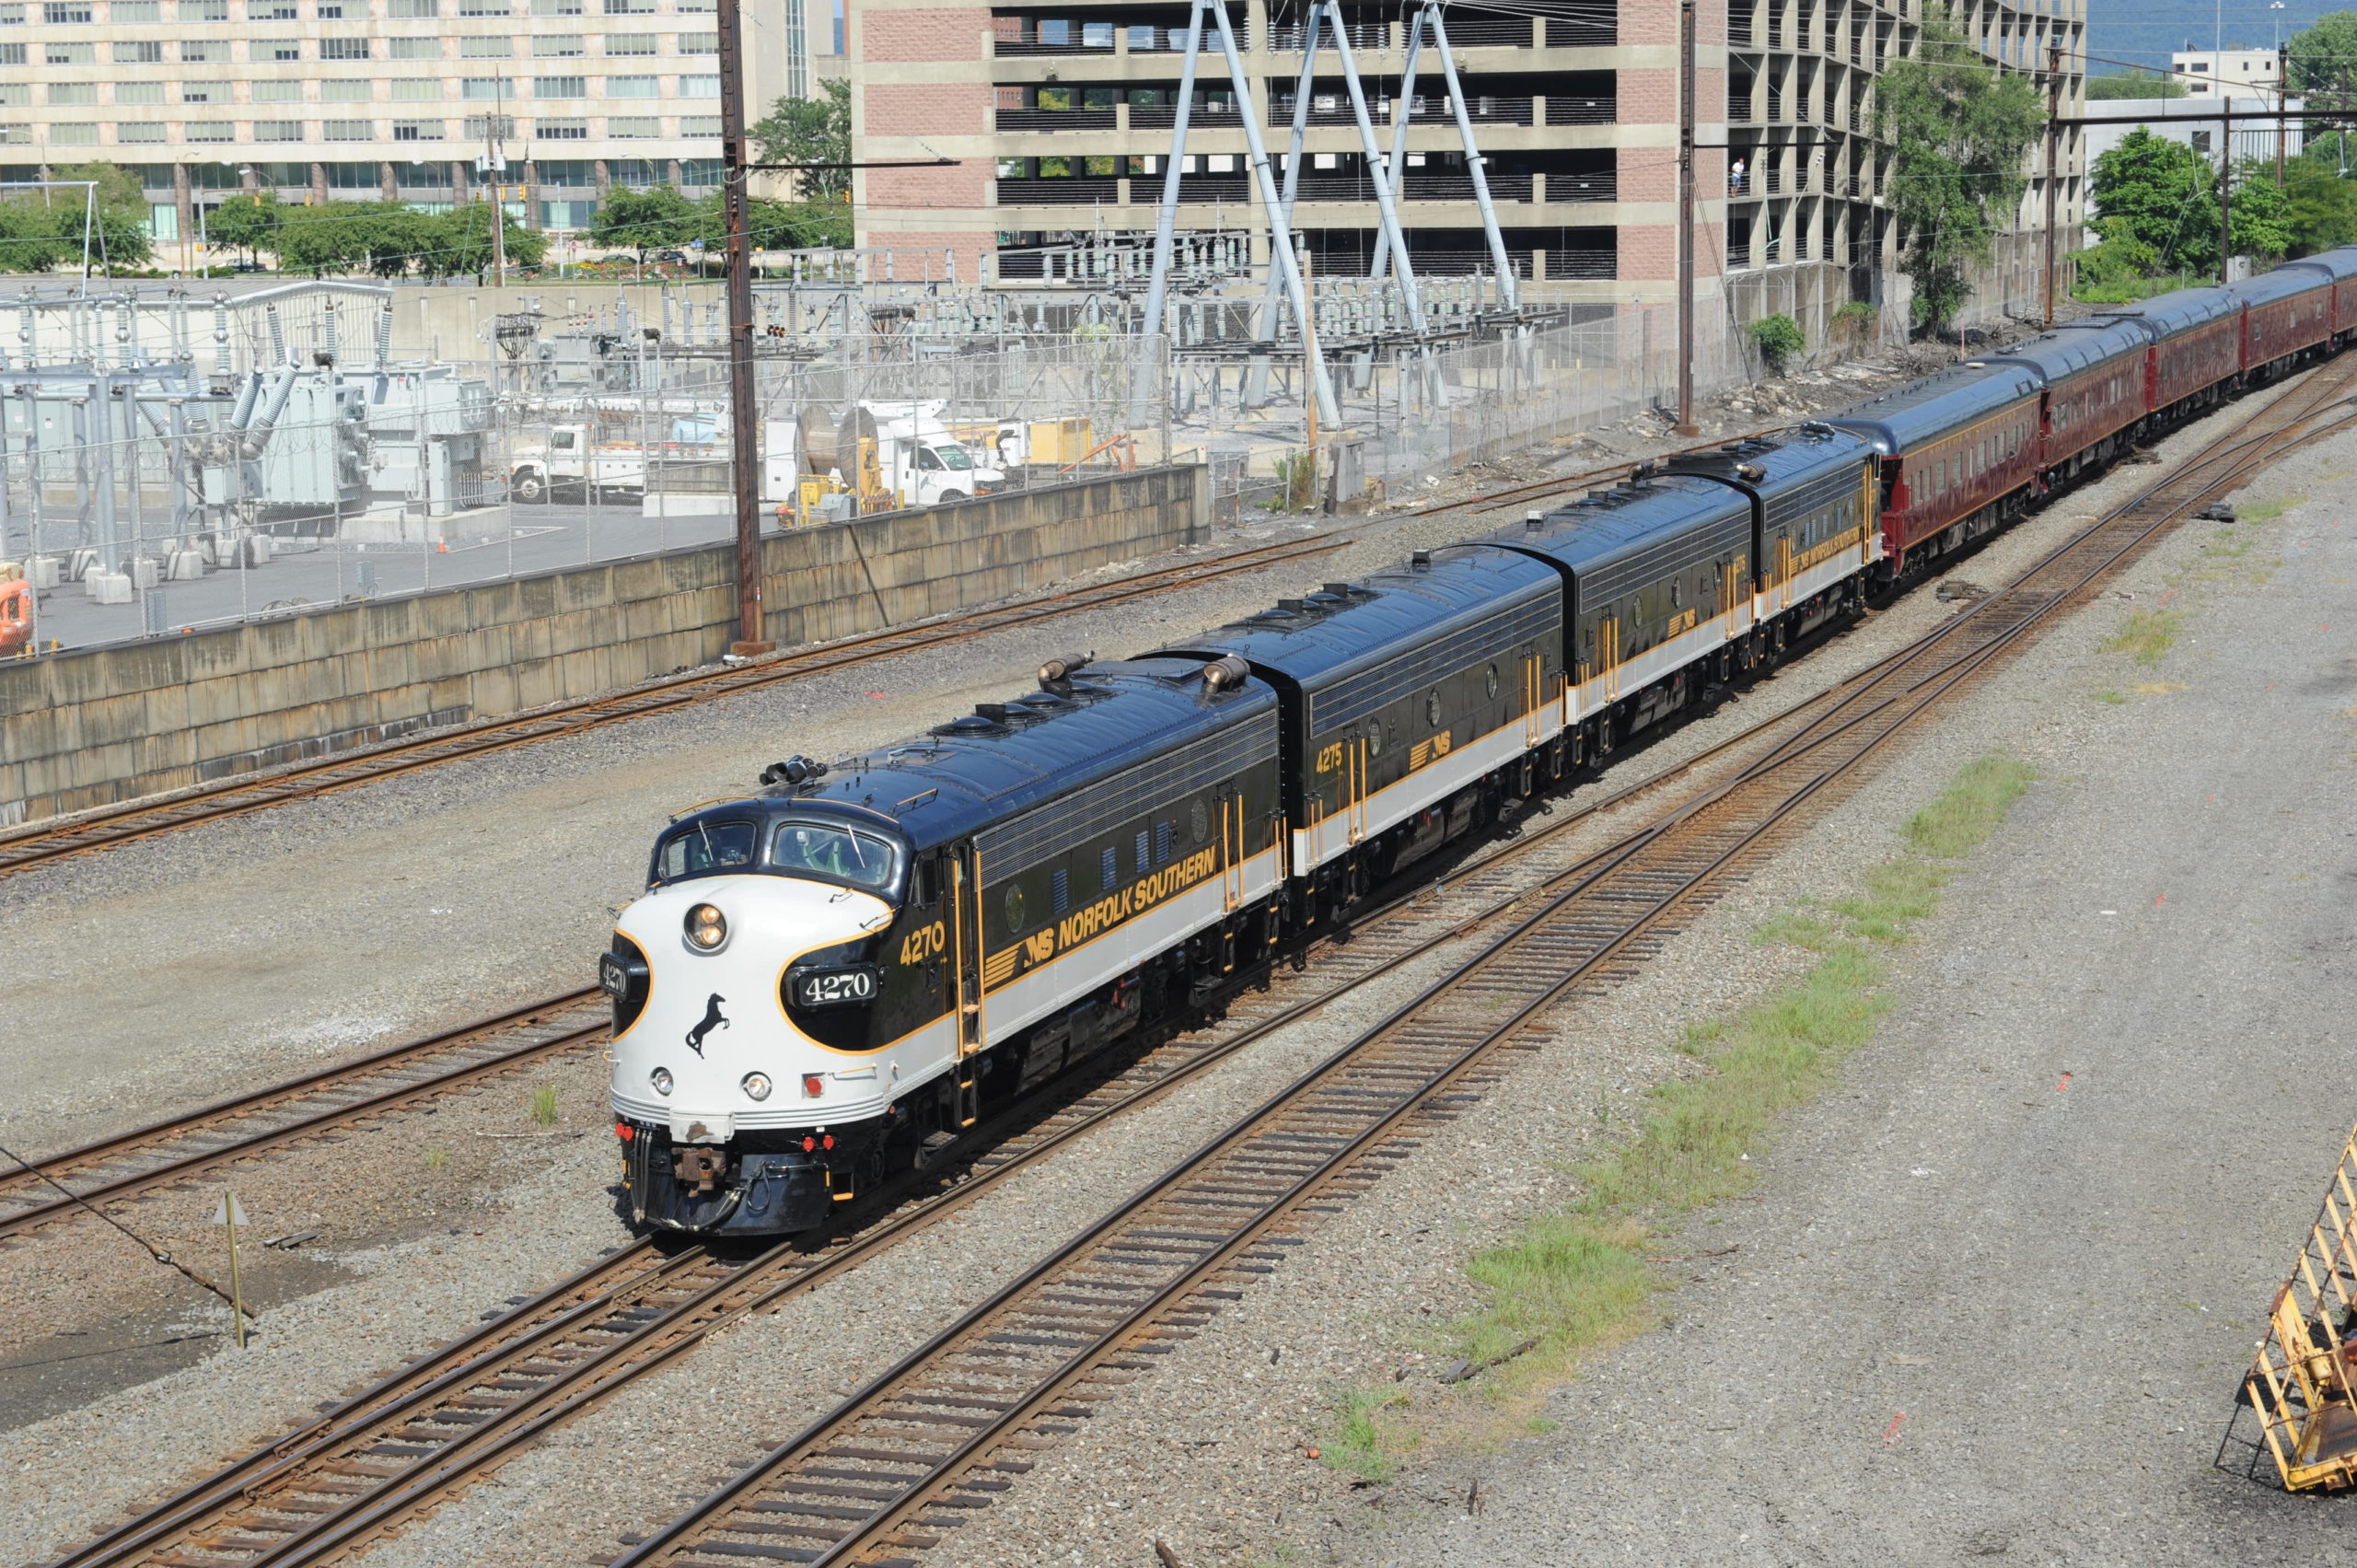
(2147, 33)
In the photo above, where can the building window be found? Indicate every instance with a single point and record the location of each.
(15, 96)
(628, 7)
(415, 48)
(205, 10)
(14, 16)
(2201, 141)
(66, 15)
(344, 49)
(275, 49)
(699, 170)
(696, 8)
(558, 7)
(278, 92)
(73, 92)
(137, 92)
(495, 87)
(499, 48)
(699, 124)
(13, 134)
(560, 46)
(698, 87)
(486, 8)
(204, 51)
(634, 86)
(205, 92)
(699, 43)
(417, 90)
(74, 135)
(12, 53)
(417, 130)
(347, 92)
(272, 11)
(70, 53)
(148, 53)
(209, 130)
(278, 130)
(629, 128)
(560, 86)
(413, 8)
(139, 134)
(560, 131)
(348, 130)
(126, 13)
(630, 43)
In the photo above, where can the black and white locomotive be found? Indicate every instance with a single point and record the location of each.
(833, 978)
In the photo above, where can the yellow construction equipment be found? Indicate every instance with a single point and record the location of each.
(2299, 1385)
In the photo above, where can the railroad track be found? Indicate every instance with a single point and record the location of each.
(903, 1462)
(40, 843)
(317, 1105)
(1032, 1361)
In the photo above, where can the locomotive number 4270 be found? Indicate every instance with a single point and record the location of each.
(828, 988)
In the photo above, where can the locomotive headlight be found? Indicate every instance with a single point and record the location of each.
(757, 1086)
(707, 927)
(661, 1079)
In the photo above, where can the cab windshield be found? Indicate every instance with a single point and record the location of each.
(954, 457)
(706, 848)
(837, 854)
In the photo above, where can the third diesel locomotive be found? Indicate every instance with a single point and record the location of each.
(830, 978)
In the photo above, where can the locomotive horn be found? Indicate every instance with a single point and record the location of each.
(796, 768)
(1063, 668)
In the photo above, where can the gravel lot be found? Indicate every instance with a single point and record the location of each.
(551, 837)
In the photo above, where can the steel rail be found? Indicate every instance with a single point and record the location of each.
(61, 1194)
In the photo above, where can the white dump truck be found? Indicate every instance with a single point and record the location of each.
(884, 454)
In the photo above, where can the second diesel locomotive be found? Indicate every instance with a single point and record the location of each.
(829, 979)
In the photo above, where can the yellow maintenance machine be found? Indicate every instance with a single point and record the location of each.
(2300, 1383)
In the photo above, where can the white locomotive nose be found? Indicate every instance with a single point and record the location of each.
(714, 1037)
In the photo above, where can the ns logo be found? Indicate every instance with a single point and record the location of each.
(1039, 947)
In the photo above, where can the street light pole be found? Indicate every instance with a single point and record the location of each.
(752, 636)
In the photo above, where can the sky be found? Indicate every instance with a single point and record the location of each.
(2147, 33)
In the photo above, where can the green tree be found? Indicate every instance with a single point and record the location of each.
(2163, 196)
(121, 239)
(245, 223)
(2135, 82)
(1960, 126)
(2321, 61)
(651, 219)
(809, 130)
(2321, 204)
(461, 242)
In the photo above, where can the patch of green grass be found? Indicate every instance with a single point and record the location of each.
(438, 1159)
(2267, 511)
(1360, 1444)
(1280, 1556)
(2147, 635)
(2109, 694)
(1582, 1277)
(1962, 816)
(544, 1105)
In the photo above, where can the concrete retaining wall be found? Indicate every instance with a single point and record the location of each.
(87, 727)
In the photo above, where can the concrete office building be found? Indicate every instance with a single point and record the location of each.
(1060, 111)
(2208, 73)
(386, 99)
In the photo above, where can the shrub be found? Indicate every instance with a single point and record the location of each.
(1779, 338)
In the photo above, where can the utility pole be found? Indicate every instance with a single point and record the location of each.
(2283, 91)
(2054, 140)
(494, 164)
(1685, 426)
(2225, 188)
(745, 469)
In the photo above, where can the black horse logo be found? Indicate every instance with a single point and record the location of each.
(712, 1020)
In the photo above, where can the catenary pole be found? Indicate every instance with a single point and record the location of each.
(2053, 145)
